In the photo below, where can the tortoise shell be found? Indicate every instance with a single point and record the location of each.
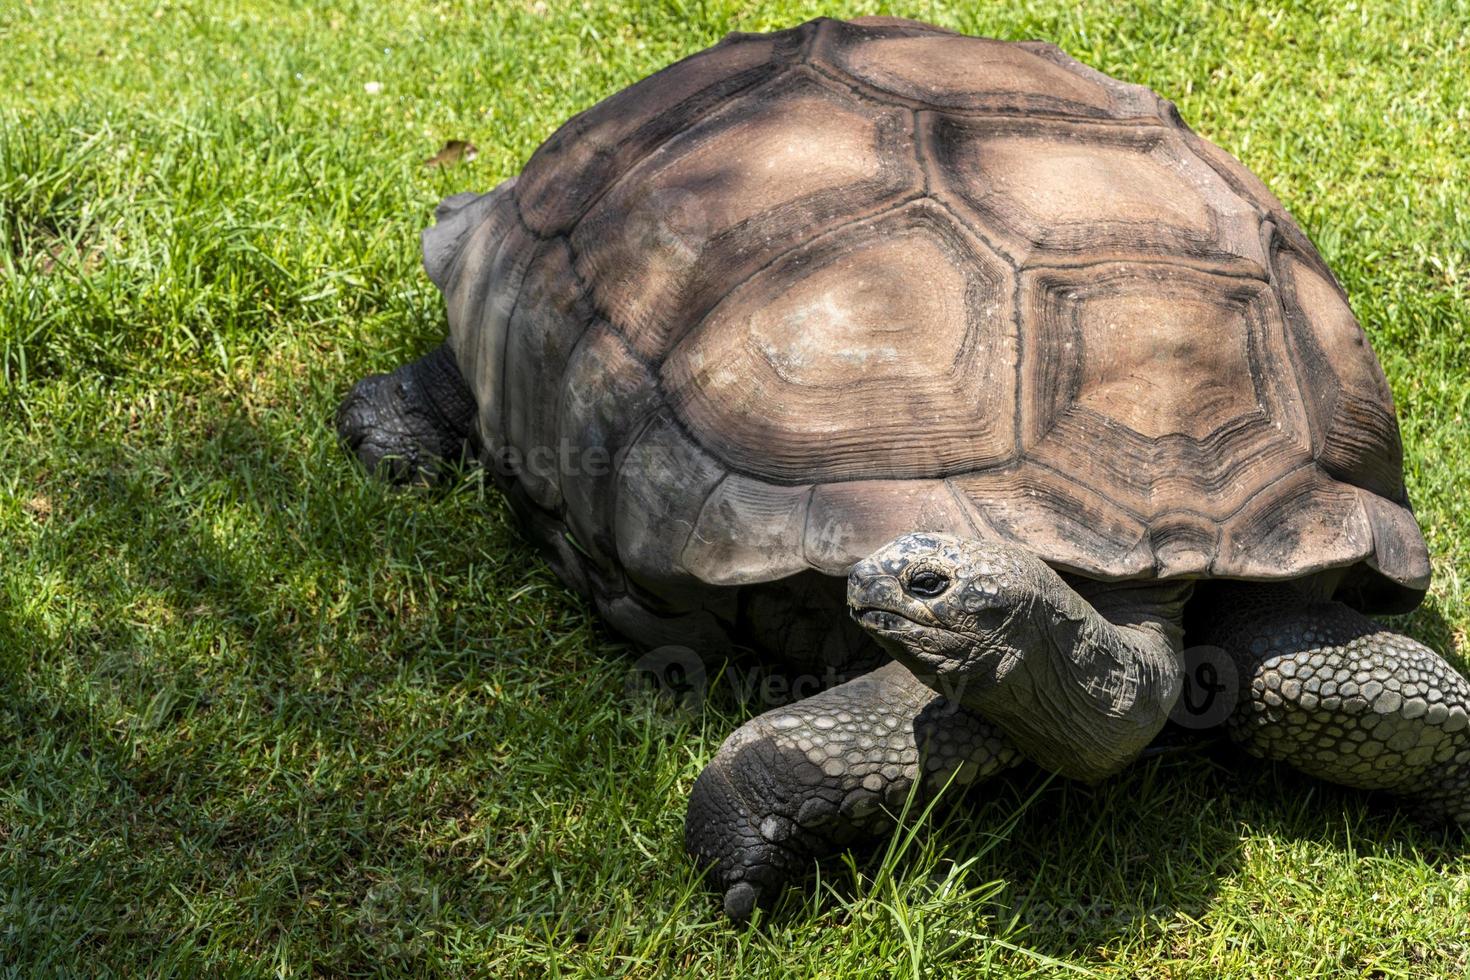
(802, 292)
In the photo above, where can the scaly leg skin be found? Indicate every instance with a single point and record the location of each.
(409, 424)
(1332, 693)
(804, 781)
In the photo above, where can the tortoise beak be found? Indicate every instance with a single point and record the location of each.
(877, 601)
(870, 587)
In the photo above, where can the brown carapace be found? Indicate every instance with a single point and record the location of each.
(803, 292)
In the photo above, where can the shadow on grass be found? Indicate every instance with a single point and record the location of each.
(235, 699)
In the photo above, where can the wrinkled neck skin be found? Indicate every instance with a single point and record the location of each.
(1081, 686)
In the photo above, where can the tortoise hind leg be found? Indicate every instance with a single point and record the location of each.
(410, 423)
(803, 781)
(1338, 697)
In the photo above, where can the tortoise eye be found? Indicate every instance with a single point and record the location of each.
(927, 583)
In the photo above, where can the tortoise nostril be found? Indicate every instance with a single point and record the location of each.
(927, 583)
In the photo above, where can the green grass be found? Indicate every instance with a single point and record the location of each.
(264, 717)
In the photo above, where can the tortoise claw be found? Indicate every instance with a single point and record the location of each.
(741, 899)
(731, 835)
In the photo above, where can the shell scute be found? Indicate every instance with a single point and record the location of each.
(1068, 193)
(606, 396)
(906, 301)
(551, 313)
(651, 526)
(748, 531)
(1193, 412)
(846, 522)
(1342, 381)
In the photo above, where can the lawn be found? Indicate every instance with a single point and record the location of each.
(264, 717)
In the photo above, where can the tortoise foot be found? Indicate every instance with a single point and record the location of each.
(1335, 695)
(410, 423)
(803, 782)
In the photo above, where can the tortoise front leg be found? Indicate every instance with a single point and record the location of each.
(804, 781)
(1339, 697)
(406, 425)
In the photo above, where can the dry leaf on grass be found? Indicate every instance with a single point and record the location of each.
(453, 152)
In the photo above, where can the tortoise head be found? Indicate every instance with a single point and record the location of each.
(953, 608)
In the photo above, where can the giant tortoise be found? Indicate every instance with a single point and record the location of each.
(957, 368)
